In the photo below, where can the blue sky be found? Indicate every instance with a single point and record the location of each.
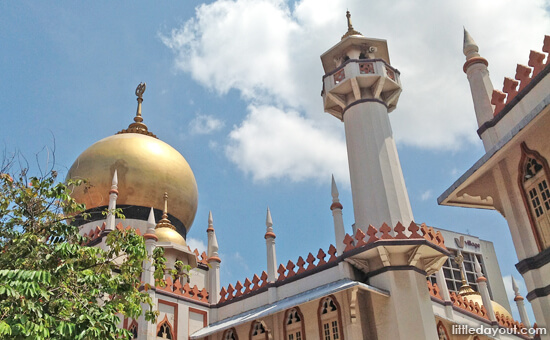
(234, 86)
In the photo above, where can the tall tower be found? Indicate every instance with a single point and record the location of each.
(360, 87)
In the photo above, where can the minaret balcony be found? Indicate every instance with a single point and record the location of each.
(360, 79)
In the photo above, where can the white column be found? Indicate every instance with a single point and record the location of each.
(214, 262)
(113, 194)
(271, 257)
(520, 304)
(147, 330)
(377, 183)
(336, 207)
(484, 291)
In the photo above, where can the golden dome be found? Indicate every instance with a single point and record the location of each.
(497, 307)
(147, 168)
(170, 235)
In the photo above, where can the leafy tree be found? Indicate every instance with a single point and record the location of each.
(53, 286)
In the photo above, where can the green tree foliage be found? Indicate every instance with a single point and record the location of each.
(53, 286)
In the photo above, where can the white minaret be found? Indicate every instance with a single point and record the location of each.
(214, 262)
(520, 304)
(336, 207)
(360, 87)
(481, 86)
(113, 195)
(483, 290)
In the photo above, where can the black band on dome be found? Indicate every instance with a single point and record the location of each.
(133, 212)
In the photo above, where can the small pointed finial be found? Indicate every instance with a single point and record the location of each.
(138, 126)
(350, 31)
(458, 260)
(334, 189)
(515, 286)
(139, 93)
(151, 220)
(469, 48)
(210, 222)
(115, 179)
(268, 220)
(164, 221)
(477, 267)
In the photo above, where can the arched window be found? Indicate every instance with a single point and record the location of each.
(294, 325)
(230, 334)
(330, 321)
(133, 329)
(259, 331)
(533, 180)
(442, 333)
(164, 329)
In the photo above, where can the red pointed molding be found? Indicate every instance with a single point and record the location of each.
(264, 279)
(311, 259)
(290, 266)
(399, 229)
(522, 74)
(301, 263)
(385, 229)
(510, 87)
(348, 241)
(372, 231)
(497, 100)
(536, 62)
(238, 288)
(359, 236)
(281, 272)
(413, 228)
(321, 256)
(332, 251)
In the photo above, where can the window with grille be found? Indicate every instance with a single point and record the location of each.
(330, 316)
(230, 334)
(133, 329)
(165, 331)
(536, 193)
(294, 327)
(258, 331)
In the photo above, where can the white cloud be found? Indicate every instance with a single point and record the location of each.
(194, 243)
(269, 51)
(426, 195)
(271, 143)
(205, 124)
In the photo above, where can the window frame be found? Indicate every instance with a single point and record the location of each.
(337, 318)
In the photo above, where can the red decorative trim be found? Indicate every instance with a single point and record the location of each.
(338, 311)
(336, 206)
(210, 229)
(175, 327)
(474, 60)
(526, 152)
(150, 237)
(481, 279)
(518, 298)
(113, 191)
(214, 259)
(270, 234)
(302, 322)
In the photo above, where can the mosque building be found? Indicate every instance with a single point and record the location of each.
(392, 278)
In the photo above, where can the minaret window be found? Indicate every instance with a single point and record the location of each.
(164, 330)
(533, 178)
(442, 333)
(230, 334)
(134, 329)
(258, 331)
(294, 325)
(329, 315)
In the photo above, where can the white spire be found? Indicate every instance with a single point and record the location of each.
(515, 287)
(210, 219)
(151, 220)
(469, 48)
(477, 267)
(334, 191)
(212, 239)
(268, 220)
(113, 194)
